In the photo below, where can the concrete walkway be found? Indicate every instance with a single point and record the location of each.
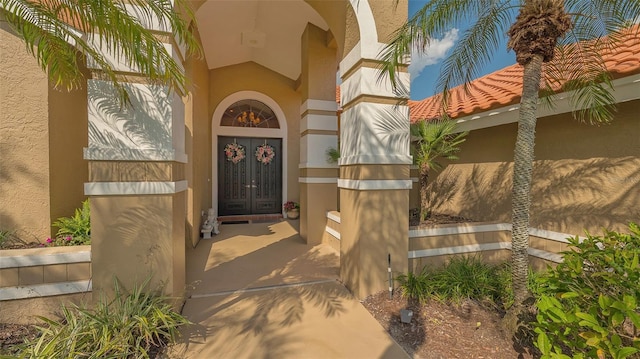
(260, 292)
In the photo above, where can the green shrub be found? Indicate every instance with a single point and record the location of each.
(590, 303)
(133, 325)
(77, 228)
(415, 286)
(463, 277)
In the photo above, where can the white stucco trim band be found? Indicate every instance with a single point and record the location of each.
(462, 229)
(422, 253)
(471, 248)
(133, 188)
(495, 227)
(375, 160)
(365, 81)
(128, 154)
(44, 259)
(45, 290)
(322, 105)
(321, 166)
(374, 185)
(333, 217)
(332, 232)
(319, 122)
(318, 180)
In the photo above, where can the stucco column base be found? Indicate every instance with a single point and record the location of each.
(316, 199)
(138, 237)
(374, 225)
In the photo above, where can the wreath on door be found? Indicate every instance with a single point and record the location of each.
(234, 152)
(265, 154)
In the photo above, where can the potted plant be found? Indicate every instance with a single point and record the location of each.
(292, 209)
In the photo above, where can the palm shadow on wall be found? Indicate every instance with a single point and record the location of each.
(145, 123)
(564, 193)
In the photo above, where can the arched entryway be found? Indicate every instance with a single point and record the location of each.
(249, 154)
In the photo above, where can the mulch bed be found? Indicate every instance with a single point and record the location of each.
(437, 330)
(15, 334)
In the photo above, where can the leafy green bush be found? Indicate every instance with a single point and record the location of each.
(590, 303)
(77, 227)
(133, 325)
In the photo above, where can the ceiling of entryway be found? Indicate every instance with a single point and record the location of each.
(263, 31)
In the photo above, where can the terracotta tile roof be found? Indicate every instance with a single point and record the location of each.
(504, 87)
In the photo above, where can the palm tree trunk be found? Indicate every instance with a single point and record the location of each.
(522, 169)
(424, 201)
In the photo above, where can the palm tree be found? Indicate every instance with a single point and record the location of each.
(56, 31)
(574, 31)
(433, 140)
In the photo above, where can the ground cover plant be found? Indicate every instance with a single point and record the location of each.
(136, 324)
(589, 305)
(460, 279)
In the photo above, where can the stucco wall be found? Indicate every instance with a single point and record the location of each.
(68, 136)
(24, 139)
(585, 177)
(389, 15)
(198, 146)
(250, 76)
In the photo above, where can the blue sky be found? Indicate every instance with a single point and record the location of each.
(424, 69)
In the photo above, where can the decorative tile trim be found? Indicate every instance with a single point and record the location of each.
(45, 290)
(44, 259)
(133, 188)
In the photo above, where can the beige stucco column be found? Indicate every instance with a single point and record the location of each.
(137, 184)
(374, 165)
(318, 132)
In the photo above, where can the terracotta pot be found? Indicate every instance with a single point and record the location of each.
(293, 214)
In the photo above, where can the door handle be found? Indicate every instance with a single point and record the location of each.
(250, 186)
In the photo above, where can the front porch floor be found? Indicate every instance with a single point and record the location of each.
(258, 291)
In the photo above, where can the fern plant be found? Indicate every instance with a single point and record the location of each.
(78, 226)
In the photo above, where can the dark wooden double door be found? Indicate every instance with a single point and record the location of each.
(249, 186)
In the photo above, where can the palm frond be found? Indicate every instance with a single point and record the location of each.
(476, 47)
(115, 28)
(435, 139)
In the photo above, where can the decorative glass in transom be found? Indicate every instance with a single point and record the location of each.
(249, 113)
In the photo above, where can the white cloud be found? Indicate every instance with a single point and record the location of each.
(433, 54)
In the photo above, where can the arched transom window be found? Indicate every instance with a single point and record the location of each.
(249, 113)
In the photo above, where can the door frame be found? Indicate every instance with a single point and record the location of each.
(217, 130)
